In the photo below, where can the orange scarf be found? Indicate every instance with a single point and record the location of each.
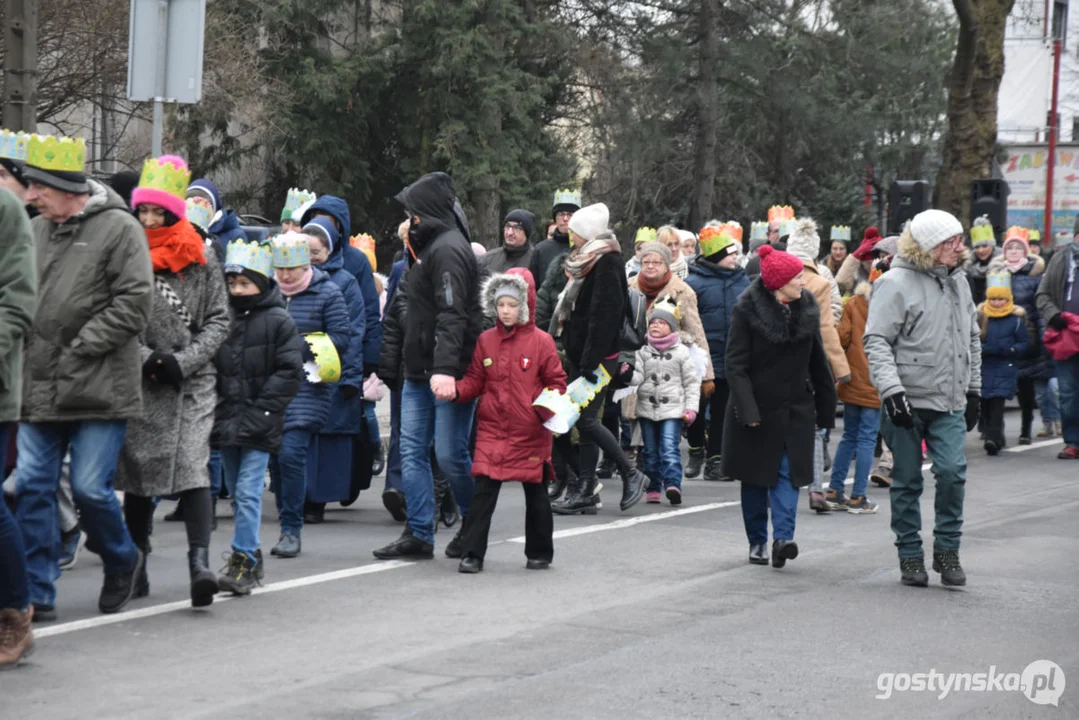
(175, 247)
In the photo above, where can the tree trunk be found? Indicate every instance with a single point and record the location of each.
(972, 102)
(701, 205)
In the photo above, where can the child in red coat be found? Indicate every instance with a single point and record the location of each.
(513, 363)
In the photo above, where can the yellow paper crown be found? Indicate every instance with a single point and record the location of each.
(14, 145)
(46, 152)
(982, 234)
(645, 234)
(291, 249)
(778, 213)
(327, 364)
(1035, 235)
(164, 174)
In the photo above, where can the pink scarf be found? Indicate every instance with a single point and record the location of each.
(290, 289)
(664, 344)
(1016, 265)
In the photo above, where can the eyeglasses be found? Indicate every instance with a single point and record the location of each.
(563, 215)
(514, 226)
(652, 263)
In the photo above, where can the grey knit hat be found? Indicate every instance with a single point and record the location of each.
(658, 248)
(666, 311)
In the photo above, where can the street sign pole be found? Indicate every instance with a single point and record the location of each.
(159, 82)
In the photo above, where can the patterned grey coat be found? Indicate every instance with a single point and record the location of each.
(166, 450)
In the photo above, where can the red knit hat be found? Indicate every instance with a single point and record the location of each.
(778, 267)
(869, 241)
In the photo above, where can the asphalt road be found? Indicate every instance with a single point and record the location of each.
(653, 613)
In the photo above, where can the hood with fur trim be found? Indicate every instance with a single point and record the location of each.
(521, 280)
(774, 322)
(922, 260)
(864, 289)
(1035, 266)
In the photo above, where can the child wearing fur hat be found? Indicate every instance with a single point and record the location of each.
(668, 394)
(512, 364)
(1004, 340)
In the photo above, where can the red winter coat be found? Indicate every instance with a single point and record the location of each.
(509, 369)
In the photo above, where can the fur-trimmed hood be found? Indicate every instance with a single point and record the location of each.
(864, 289)
(521, 280)
(1035, 266)
(774, 322)
(922, 260)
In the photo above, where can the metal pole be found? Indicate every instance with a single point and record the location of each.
(20, 65)
(1051, 165)
(159, 84)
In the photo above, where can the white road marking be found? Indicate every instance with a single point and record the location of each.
(1035, 446)
(637, 520)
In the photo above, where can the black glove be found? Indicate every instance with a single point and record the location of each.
(590, 376)
(164, 370)
(1057, 322)
(349, 391)
(974, 411)
(899, 411)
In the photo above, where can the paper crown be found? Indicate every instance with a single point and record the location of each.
(786, 227)
(294, 200)
(567, 197)
(759, 231)
(778, 213)
(982, 234)
(13, 146)
(667, 305)
(645, 234)
(327, 364)
(734, 229)
(714, 240)
(998, 279)
(161, 174)
(1017, 233)
(365, 244)
(199, 214)
(841, 233)
(249, 256)
(290, 250)
(46, 152)
(1035, 235)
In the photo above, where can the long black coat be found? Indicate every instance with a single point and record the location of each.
(259, 370)
(779, 377)
(593, 330)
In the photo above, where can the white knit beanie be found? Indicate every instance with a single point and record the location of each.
(930, 228)
(590, 221)
(804, 242)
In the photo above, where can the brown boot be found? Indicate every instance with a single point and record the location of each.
(16, 637)
(818, 503)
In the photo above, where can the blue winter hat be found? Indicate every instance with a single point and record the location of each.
(325, 227)
(205, 187)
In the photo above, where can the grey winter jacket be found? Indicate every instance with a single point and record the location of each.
(922, 335)
(1050, 295)
(95, 291)
(667, 383)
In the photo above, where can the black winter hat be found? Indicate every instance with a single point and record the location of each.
(525, 218)
(14, 168)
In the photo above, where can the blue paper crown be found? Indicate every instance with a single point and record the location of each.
(567, 197)
(249, 256)
(290, 250)
(13, 145)
(297, 197)
(841, 233)
(759, 231)
(999, 279)
(199, 214)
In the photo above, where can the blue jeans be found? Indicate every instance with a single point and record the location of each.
(1068, 378)
(662, 456)
(783, 499)
(94, 446)
(945, 434)
(245, 471)
(288, 473)
(1046, 392)
(860, 427)
(14, 586)
(423, 421)
(371, 418)
(393, 453)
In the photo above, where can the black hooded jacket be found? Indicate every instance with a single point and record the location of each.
(443, 309)
(544, 253)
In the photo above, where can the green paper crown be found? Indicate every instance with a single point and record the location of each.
(645, 234)
(327, 365)
(249, 256)
(162, 175)
(46, 152)
(290, 250)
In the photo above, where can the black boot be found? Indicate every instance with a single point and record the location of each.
(946, 562)
(448, 511)
(378, 459)
(142, 580)
(177, 514)
(442, 489)
(607, 469)
(394, 501)
(632, 488)
(912, 572)
(213, 515)
(581, 497)
(713, 469)
(314, 513)
(203, 580)
(696, 460)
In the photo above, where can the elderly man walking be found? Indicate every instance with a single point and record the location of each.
(924, 350)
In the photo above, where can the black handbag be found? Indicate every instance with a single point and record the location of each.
(633, 336)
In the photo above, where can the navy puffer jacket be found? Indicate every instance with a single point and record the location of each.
(1036, 363)
(319, 308)
(1004, 341)
(718, 289)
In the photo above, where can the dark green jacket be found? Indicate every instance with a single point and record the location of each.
(95, 292)
(18, 300)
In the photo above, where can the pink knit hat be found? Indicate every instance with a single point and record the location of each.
(163, 182)
(777, 267)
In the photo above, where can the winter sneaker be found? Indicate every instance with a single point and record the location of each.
(576, 504)
(818, 503)
(1070, 452)
(406, 546)
(238, 576)
(713, 469)
(119, 588)
(861, 506)
(1024, 440)
(454, 549)
(912, 572)
(836, 500)
(696, 462)
(70, 545)
(674, 495)
(1047, 431)
(653, 497)
(632, 489)
(946, 562)
(16, 637)
(606, 469)
(288, 546)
